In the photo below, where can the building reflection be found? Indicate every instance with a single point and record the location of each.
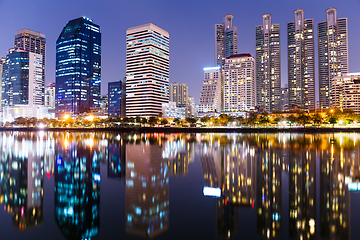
(147, 186)
(116, 158)
(21, 177)
(77, 185)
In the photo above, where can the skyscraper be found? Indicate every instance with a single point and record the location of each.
(211, 92)
(33, 42)
(179, 93)
(78, 67)
(117, 100)
(147, 70)
(301, 65)
(333, 53)
(239, 83)
(268, 72)
(225, 40)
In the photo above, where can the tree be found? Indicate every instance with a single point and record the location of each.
(264, 119)
(317, 119)
(164, 121)
(205, 120)
(153, 120)
(191, 120)
(177, 121)
(333, 119)
(303, 119)
(291, 119)
(223, 119)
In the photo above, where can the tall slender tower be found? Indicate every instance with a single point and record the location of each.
(268, 78)
(34, 42)
(147, 70)
(78, 67)
(301, 65)
(333, 53)
(225, 40)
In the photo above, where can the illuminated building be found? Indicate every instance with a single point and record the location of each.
(78, 67)
(211, 91)
(301, 61)
(147, 70)
(147, 189)
(284, 98)
(117, 99)
(179, 94)
(170, 110)
(345, 92)
(77, 186)
(239, 83)
(333, 53)
(21, 178)
(225, 40)
(2, 85)
(268, 72)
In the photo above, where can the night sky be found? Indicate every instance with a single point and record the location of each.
(190, 24)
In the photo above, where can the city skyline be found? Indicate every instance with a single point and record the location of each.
(200, 27)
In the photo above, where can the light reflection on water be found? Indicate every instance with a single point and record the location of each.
(298, 185)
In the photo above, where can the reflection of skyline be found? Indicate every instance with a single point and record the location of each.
(147, 189)
(77, 186)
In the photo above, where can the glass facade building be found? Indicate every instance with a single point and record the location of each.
(78, 67)
(116, 99)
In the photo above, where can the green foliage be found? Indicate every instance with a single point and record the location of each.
(164, 121)
(191, 120)
(153, 120)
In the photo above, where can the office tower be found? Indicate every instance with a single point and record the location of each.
(147, 70)
(239, 83)
(179, 94)
(23, 81)
(333, 53)
(50, 95)
(116, 99)
(301, 62)
(268, 72)
(78, 67)
(191, 107)
(284, 98)
(345, 92)
(147, 189)
(225, 40)
(77, 186)
(211, 92)
(33, 42)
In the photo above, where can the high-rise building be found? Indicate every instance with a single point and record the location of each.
(34, 42)
(50, 95)
(333, 53)
(268, 72)
(225, 40)
(301, 62)
(345, 92)
(78, 67)
(179, 93)
(211, 92)
(147, 70)
(284, 98)
(239, 83)
(2, 83)
(116, 99)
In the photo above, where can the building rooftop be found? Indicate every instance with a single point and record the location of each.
(240, 55)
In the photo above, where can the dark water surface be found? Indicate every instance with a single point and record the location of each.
(137, 186)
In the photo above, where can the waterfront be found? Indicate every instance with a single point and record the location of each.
(101, 185)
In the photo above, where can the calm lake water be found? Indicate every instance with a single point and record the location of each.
(56, 185)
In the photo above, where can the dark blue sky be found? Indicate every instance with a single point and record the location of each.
(190, 24)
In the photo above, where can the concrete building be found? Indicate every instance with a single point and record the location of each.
(34, 42)
(345, 92)
(284, 98)
(171, 110)
(333, 53)
(239, 83)
(191, 107)
(211, 92)
(50, 99)
(268, 70)
(225, 40)
(147, 70)
(301, 62)
(179, 93)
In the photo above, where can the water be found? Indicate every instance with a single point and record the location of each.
(135, 186)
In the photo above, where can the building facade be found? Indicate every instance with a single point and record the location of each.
(179, 93)
(147, 70)
(345, 92)
(333, 53)
(239, 83)
(225, 40)
(268, 71)
(116, 99)
(78, 67)
(171, 110)
(211, 92)
(33, 42)
(301, 62)
(284, 98)
(50, 99)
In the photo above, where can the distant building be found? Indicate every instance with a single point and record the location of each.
(301, 62)
(22, 85)
(211, 92)
(225, 40)
(117, 99)
(333, 53)
(50, 99)
(147, 70)
(34, 42)
(345, 92)
(268, 70)
(170, 110)
(284, 98)
(239, 83)
(191, 107)
(78, 67)
(2, 85)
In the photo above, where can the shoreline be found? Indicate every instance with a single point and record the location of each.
(186, 130)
